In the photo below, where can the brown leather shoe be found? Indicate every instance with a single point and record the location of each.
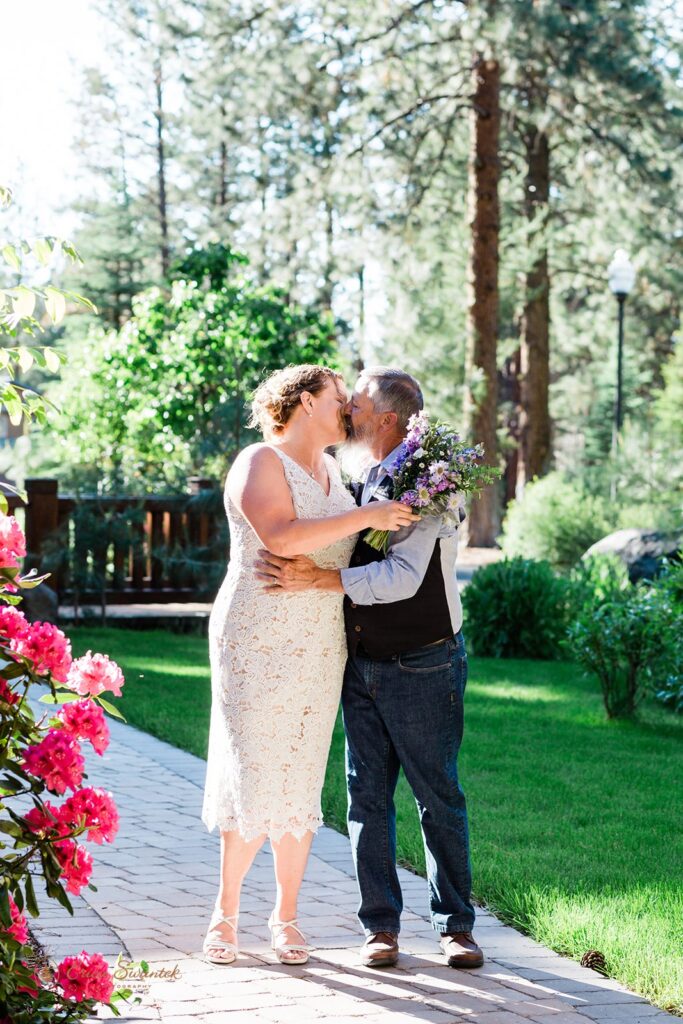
(461, 950)
(380, 950)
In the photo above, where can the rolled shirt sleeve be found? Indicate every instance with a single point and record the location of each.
(400, 574)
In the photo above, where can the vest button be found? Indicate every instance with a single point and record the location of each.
(353, 605)
(357, 629)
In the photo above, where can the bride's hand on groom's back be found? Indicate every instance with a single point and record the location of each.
(389, 515)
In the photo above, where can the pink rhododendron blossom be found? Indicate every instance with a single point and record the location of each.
(94, 673)
(32, 989)
(18, 929)
(12, 542)
(7, 694)
(13, 623)
(76, 864)
(94, 808)
(47, 647)
(85, 976)
(85, 721)
(48, 821)
(57, 759)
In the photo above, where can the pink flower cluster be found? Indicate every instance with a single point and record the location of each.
(94, 673)
(75, 862)
(12, 542)
(18, 929)
(85, 721)
(57, 759)
(7, 694)
(95, 809)
(43, 643)
(46, 820)
(85, 976)
(90, 808)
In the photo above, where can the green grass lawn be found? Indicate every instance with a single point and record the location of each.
(575, 821)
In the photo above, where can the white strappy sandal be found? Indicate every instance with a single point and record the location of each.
(229, 949)
(298, 954)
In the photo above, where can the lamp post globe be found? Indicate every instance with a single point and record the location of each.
(621, 276)
(621, 273)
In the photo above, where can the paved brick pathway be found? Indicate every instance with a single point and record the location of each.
(156, 886)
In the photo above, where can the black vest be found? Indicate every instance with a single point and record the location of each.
(384, 630)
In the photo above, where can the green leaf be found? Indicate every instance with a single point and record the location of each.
(24, 359)
(5, 914)
(15, 410)
(31, 903)
(12, 257)
(11, 828)
(62, 697)
(55, 304)
(52, 360)
(110, 708)
(23, 301)
(9, 785)
(29, 582)
(42, 248)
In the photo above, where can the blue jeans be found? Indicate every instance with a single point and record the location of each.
(408, 712)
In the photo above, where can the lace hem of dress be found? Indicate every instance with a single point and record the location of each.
(274, 830)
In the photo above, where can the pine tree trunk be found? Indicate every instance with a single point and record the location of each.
(223, 164)
(510, 400)
(482, 311)
(161, 170)
(534, 449)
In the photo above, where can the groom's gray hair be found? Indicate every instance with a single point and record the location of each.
(393, 390)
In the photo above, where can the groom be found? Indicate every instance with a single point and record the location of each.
(402, 698)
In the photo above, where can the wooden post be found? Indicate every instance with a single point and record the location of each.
(42, 515)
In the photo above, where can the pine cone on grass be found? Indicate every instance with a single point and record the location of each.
(594, 959)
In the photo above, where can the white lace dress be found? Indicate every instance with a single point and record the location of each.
(277, 662)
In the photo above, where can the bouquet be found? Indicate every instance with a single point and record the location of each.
(432, 473)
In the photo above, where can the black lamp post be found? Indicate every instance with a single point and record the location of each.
(622, 276)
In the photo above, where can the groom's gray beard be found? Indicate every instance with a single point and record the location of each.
(355, 458)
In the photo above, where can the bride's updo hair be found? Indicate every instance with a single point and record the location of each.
(276, 398)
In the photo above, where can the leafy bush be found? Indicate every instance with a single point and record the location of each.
(517, 608)
(597, 579)
(631, 643)
(670, 587)
(555, 520)
(166, 395)
(670, 693)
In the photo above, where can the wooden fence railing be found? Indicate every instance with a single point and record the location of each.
(122, 549)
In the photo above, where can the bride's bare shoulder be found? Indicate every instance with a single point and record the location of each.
(259, 458)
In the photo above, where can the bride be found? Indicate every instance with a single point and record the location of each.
(277, 660)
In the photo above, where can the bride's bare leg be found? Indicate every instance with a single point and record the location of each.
(237, 856)
(290, 856)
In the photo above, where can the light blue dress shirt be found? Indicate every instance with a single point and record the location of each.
(399, 575)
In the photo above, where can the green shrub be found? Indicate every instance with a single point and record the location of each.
(517, 608)
(631, 643)
(555, 520)
(670, 693)
(597, 579)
